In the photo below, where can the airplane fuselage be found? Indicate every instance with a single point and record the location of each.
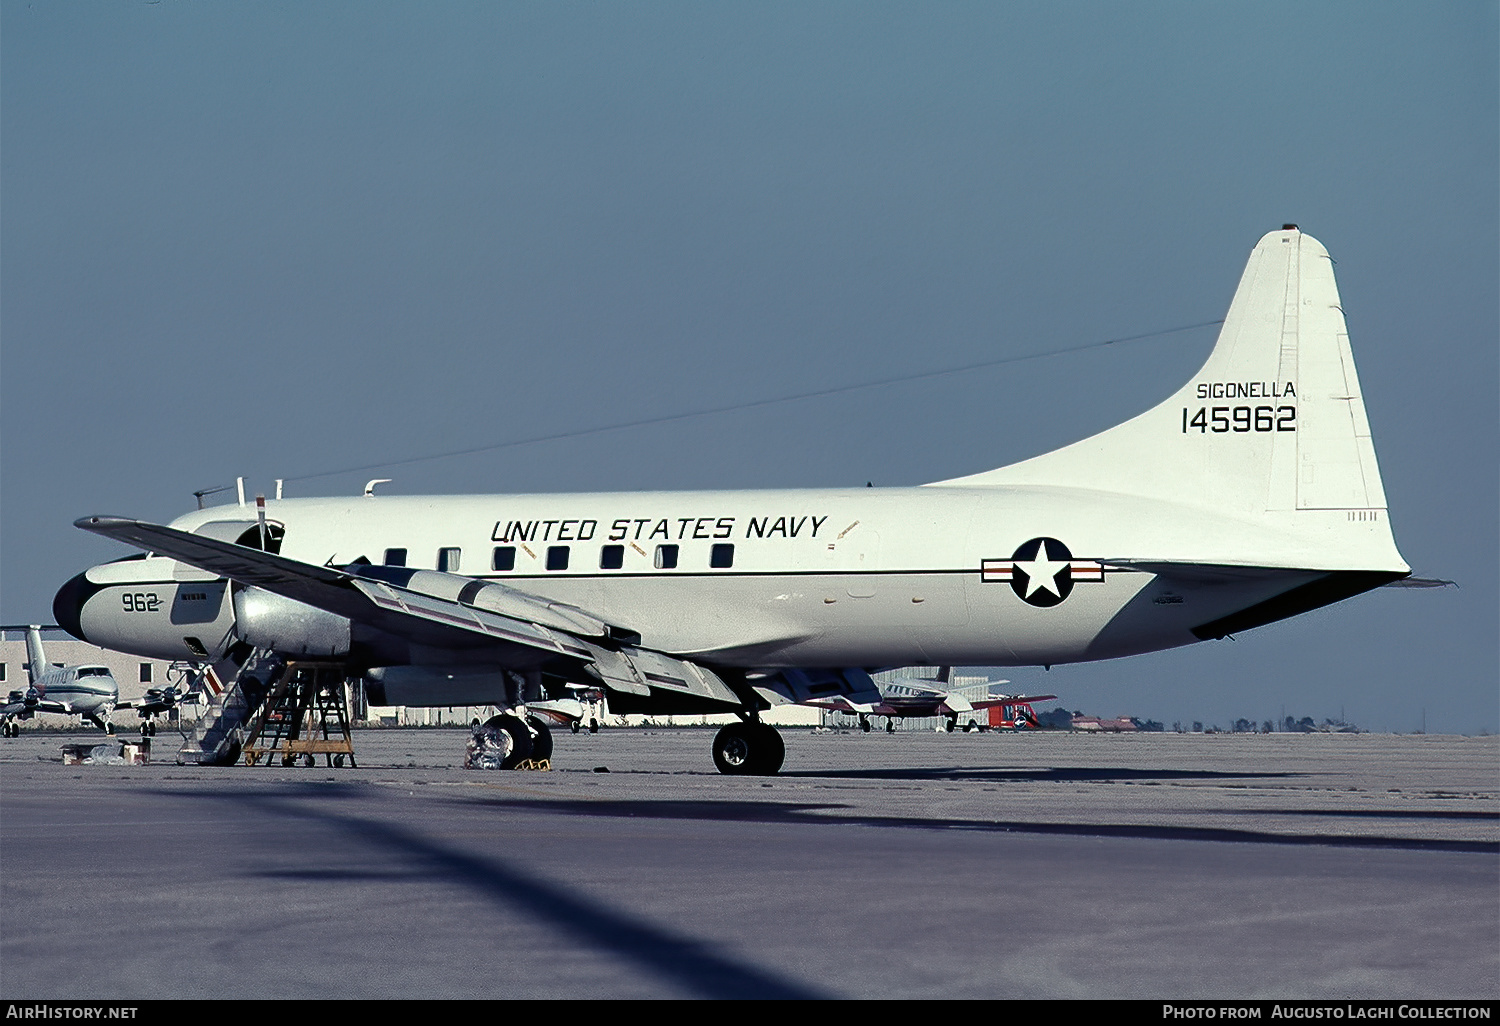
(867, 577)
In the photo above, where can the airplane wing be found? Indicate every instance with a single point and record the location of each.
(441, 609)
(10, 709)
(990, 703)
(846, 705)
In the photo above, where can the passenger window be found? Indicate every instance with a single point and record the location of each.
(450, 560)
(666, 557)
(721, 557)
(504, 559)
(557, 557)
(395, 557)
(611, 557)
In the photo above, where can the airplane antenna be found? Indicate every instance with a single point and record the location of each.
(755, 404)
(200, 493)
(279, 482)
(239, 485)
(370, 485)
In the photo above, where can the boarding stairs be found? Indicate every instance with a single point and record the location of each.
(219, 735)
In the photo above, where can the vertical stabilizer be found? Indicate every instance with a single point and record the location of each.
(36, 657)
(1274, 423)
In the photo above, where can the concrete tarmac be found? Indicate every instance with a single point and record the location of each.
(907, 865)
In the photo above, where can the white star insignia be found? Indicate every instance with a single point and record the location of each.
(1041, 572)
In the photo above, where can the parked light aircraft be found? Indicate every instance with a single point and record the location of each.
(88, 690)
(1250, 495)
(579, 707)
(159, 701)
(920, 697)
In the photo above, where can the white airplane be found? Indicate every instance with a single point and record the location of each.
(1250, 495)
(919, 697)
(90, 691)
(579, 707)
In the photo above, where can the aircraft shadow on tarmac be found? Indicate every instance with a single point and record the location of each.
(833, 814)
(687, 963)
(691, 965)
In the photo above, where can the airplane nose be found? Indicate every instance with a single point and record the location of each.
(67, 605)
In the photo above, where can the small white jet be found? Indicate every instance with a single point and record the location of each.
(578, 708)
(1250, 495)
(87, 690)
(919, 697)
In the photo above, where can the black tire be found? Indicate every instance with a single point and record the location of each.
(541, 738)
(520, 739)
(772, 753)
(748, 749)
(890, 726)
(951, 725)
(574, 726)
(864, 725)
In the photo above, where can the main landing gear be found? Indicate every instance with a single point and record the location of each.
(749, 748)
(509, 742)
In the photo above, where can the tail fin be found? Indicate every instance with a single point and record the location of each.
(36, 658)
(1273, 425)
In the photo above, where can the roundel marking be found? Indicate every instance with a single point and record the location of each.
(1042, 574)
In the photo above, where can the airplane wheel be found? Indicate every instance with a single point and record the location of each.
(890, 726)
(951, 725)
(864, 725)
(748, 749)
(774, 752)
(574, 727)
(593, 726)
(520, 739)
(541, 739)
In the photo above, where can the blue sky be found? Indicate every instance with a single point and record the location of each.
(275, 240)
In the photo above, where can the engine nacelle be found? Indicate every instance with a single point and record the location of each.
(288, 627)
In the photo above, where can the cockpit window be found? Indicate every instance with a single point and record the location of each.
(93, 671)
